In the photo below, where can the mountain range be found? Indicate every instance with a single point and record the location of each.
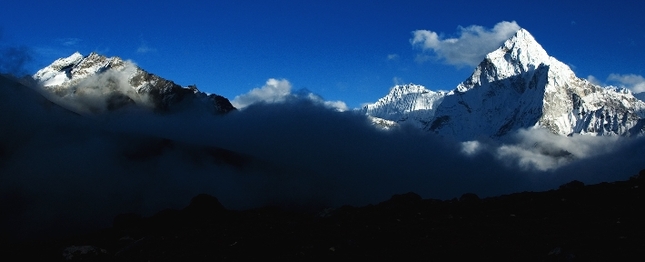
(90, 136)
(516, 86)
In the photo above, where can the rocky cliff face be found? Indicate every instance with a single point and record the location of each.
(96, 83)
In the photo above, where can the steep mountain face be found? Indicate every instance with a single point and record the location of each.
(96, 83)
(410, 103)
(520, 86)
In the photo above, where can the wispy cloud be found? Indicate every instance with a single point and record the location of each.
(69, 41)
(635, 83)
(142, 49)
(397, 80)
(470, 48)
(145, 48)
(338, 105)
(392, 57)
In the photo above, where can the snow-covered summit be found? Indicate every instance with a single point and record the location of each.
(69, 70)
(518, 86)
(517, 55)
(97, 83)
(65, 62)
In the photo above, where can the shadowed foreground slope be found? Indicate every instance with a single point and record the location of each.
(573, 223)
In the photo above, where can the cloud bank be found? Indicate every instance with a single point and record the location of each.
(61, 171)
(539, 149)
(469, 48)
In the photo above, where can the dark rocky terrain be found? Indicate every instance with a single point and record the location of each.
(576, 222)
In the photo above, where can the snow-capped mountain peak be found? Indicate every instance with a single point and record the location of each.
(66, 61)
(51, 76)
(518, 86)
(517, 55)
(68, 71)
(96, 83)
(522, 47)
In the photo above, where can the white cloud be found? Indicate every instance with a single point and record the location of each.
(635, 83)
(275, 90)
(470, 48)
(392, 57)
(470, 148)
(278, 91)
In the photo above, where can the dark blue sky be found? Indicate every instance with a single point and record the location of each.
(351, 50)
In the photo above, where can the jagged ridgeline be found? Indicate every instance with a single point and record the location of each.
(516, 86)
(96, 84)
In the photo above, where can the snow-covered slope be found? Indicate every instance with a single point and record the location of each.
(410, 103)
(520, 86)
(96, 83)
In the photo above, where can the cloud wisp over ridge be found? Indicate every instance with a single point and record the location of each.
(278, 91)
(469, 48)
(274, 90)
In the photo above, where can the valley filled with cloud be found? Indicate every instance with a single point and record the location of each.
(63, 171)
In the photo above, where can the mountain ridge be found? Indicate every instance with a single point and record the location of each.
(410, 102)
